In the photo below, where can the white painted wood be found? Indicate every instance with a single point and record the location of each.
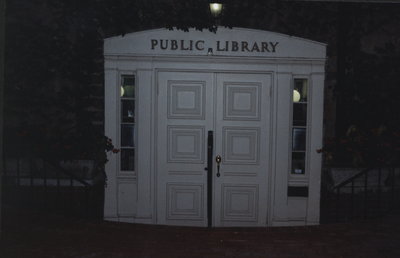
(236, 107)
(198, 43)
(185, 105)
(144, 137)
(181, 95)
(282, 147)
(242, 128)
(315, 163)
(297, 209)
(127, 191)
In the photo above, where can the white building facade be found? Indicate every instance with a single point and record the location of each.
(214, 129)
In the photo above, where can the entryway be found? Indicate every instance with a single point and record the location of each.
(209, 102)
(222, 116)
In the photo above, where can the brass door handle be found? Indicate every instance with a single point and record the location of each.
(218, 159)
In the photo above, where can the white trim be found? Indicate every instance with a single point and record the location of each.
(213, 59)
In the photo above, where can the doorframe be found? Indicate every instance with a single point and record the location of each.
(272, 124)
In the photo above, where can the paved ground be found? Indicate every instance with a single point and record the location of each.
(35, 235)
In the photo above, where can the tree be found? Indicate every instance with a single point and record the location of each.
(54, 103)
(53, 81)
(2, 28)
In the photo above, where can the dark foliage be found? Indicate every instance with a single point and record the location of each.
(53, 80)
(54, 66)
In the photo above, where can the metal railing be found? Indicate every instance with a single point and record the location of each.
(372, 192)
(32, 184)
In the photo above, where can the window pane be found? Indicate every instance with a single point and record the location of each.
(298, 162)
(299, 114)
(299, 139)
(128, 86)
(300, 85)
(128, 111)
(127, 135)
(128, 91)
(128, 159)
(128, 80)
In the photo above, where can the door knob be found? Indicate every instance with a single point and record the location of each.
(218, 159)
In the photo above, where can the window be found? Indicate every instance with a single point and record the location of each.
(127, 123)
(299, 126)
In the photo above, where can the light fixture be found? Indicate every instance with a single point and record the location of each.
(216, 8)
(122, 91)
(296, 96)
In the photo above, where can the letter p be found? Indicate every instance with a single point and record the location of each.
(154, 43)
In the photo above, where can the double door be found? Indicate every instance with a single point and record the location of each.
(212, 148)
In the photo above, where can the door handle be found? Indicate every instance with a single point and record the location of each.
(218, 159)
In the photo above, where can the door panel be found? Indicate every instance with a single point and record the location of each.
(184, 115)
(242, 131)
(236, 107)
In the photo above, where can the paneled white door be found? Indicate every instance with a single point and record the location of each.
(236, 108)
(242, 141)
